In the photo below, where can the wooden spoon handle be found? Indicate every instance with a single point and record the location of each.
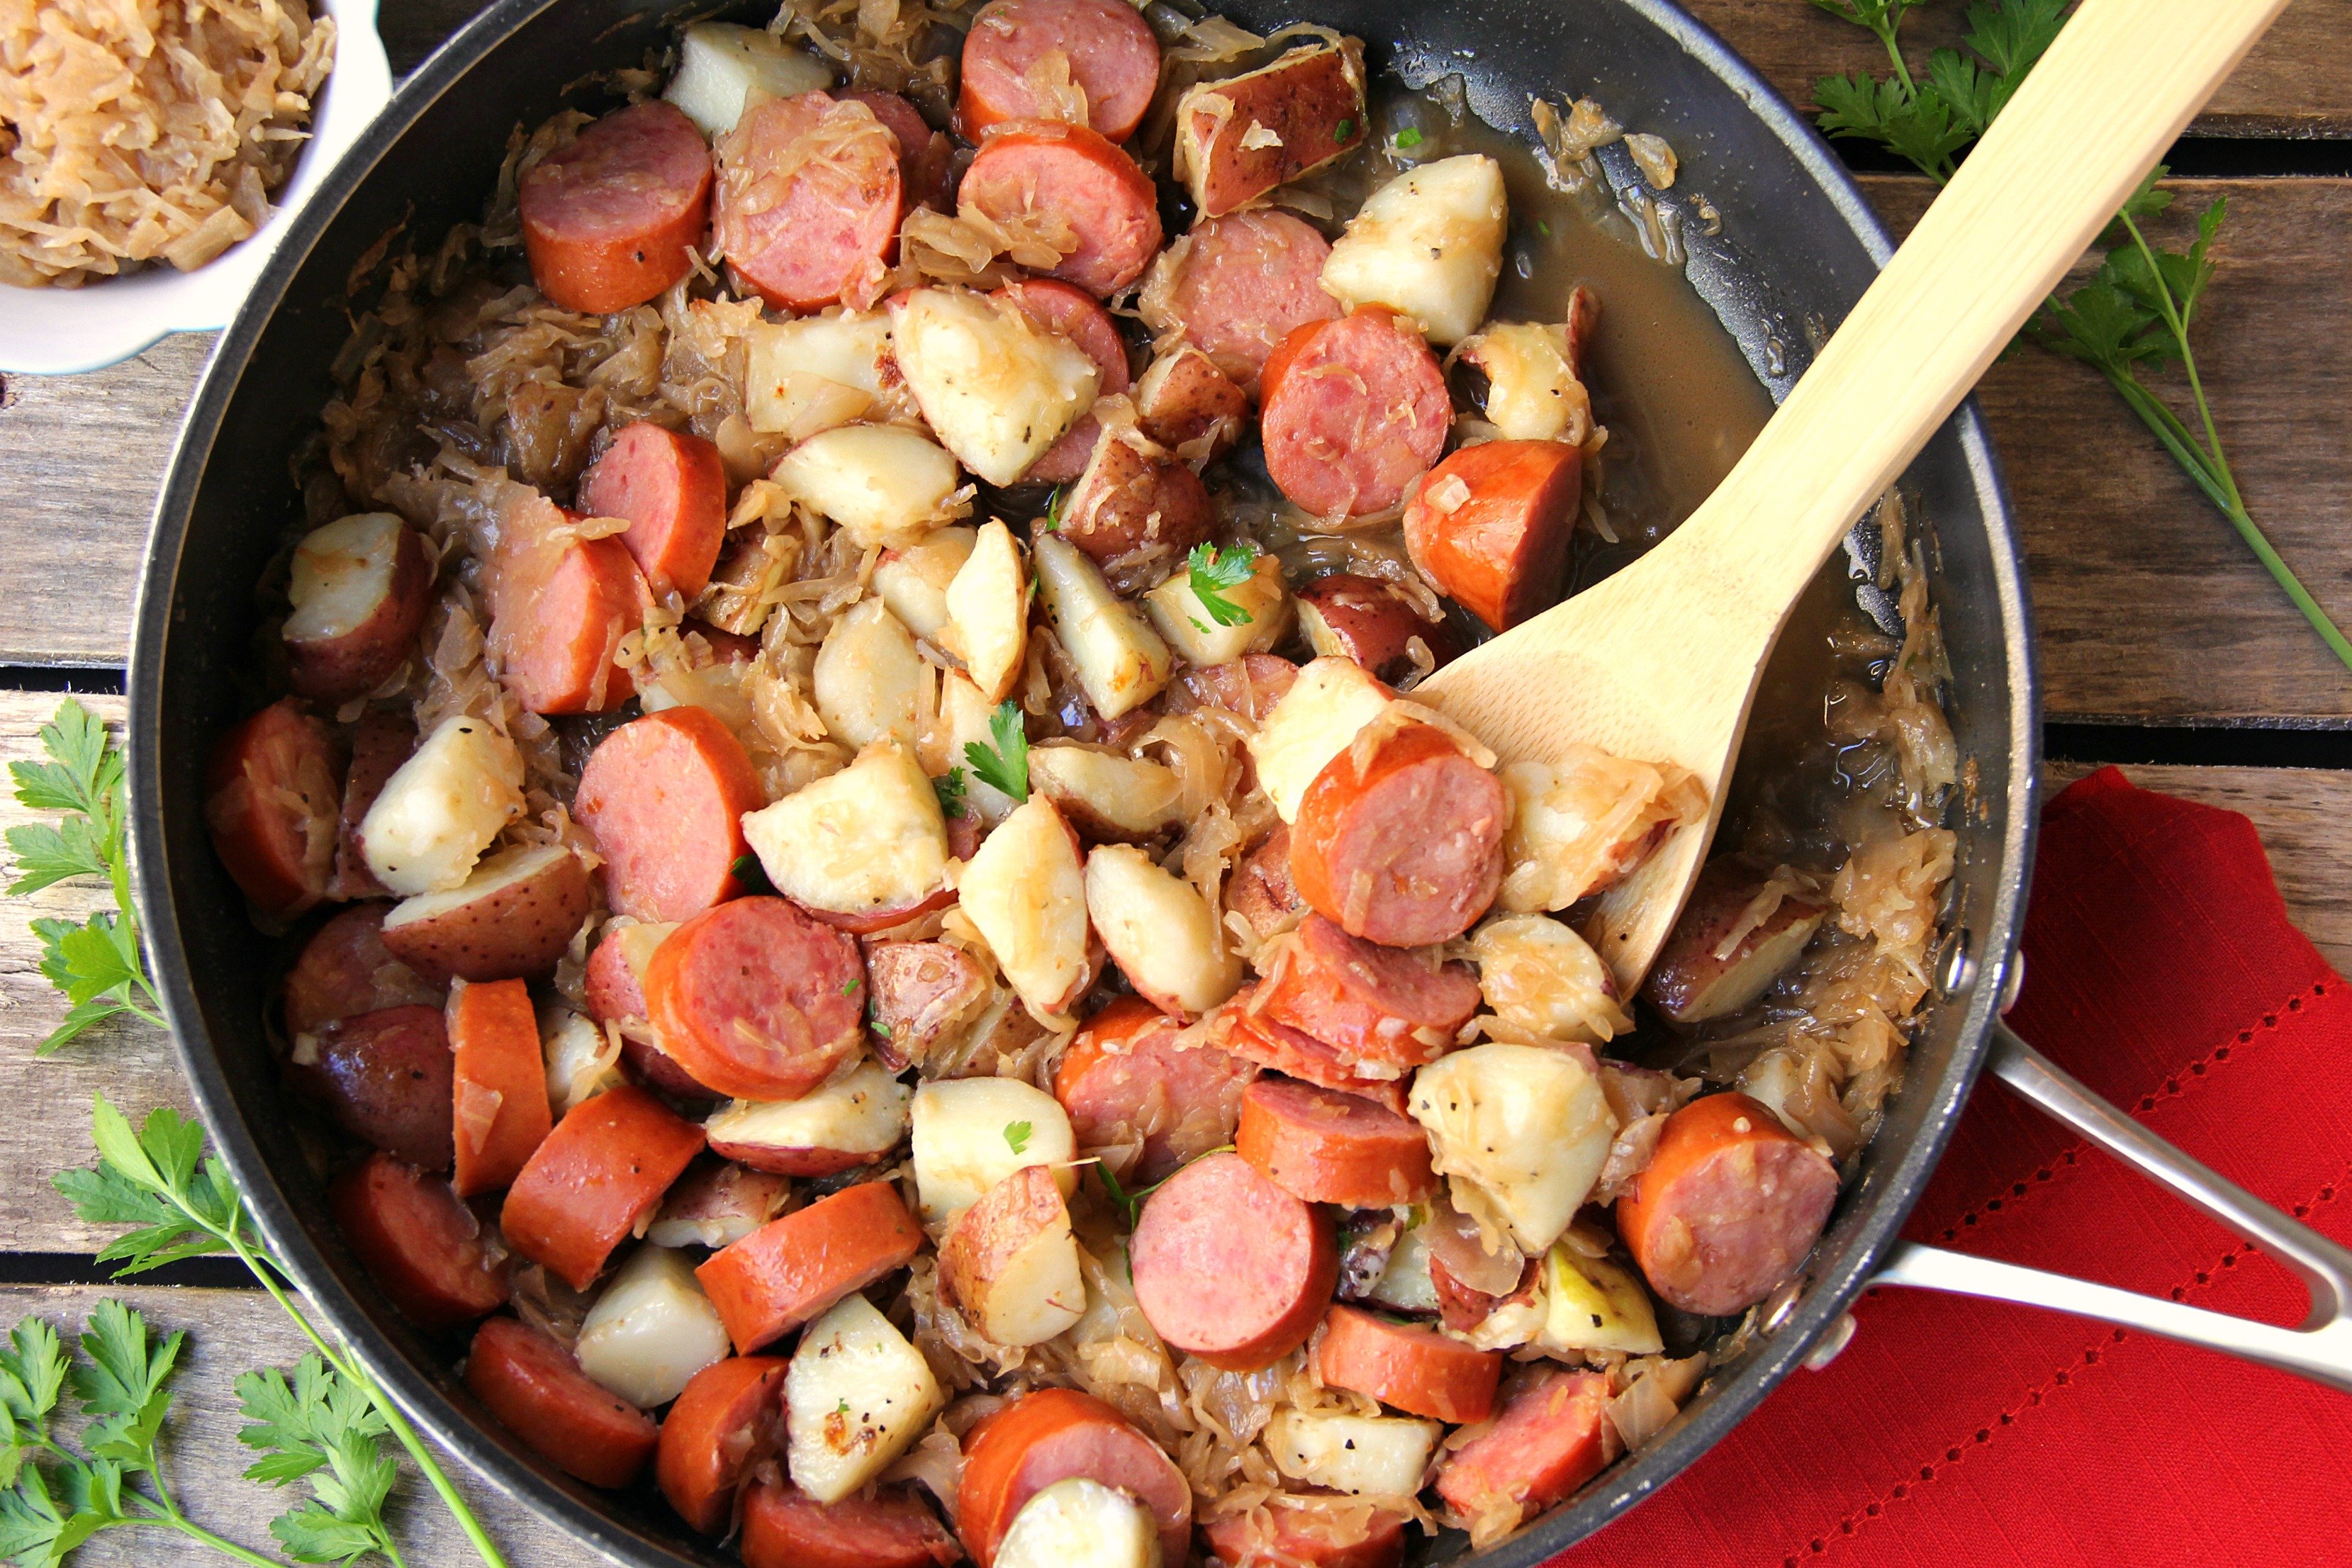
(2121, 81)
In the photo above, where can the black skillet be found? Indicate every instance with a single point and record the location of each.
(1797, 246)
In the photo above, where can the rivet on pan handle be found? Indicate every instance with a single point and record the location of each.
(2320, 1350)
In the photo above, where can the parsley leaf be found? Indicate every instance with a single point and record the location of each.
(949, 789)
(31, 1376)
(1213, 571)
(1056, 506)
(1341, 131)
(1016, 1134)
(1407, 138)
(321, 1427)
(1005, 765)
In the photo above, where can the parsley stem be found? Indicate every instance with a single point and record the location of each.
(177, 1520)
(1886, 32)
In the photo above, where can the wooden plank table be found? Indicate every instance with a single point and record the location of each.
(2164, 644)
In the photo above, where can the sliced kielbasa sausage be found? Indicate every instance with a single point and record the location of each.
(809, 200)
(272, 797)
(560, 607)
(925, 157)
(1124, 1077)
(1249, 1031)
(757, 1000)
(607, 220)
(1552, 1436)
(1053, 1435)
(783, 1527)
(1065, 179)
(1071, 311)
(499, 1092)
(1491, 526)
(1108, 54)
(385, 1077)
(1231, 1268)
(1302, 1531)
(423, 1247)
(727, 1415)
(1372, 1005)
(536, 1389)
(344, 970)
(665, 797)
(591, 1181)
(1351, 412)
(672, 487)
(791, 1268)
(1728, 1207)
(1235, 287)
(1400, 838)
(1360, 618)
(381, 741)
(1418, 1370)
(1328, 1147)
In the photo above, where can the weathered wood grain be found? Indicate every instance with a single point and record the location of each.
(2297, 81)
(231, 1333)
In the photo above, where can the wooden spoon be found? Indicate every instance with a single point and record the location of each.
(1661, 661)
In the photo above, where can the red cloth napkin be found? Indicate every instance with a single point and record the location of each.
(2162, 970)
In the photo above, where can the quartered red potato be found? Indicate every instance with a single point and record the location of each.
(889, 951)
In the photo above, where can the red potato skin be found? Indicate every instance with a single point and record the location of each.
(1113, 56)
(1071, 311)
(1133, 509)
(1185, 398)
(606, 221)
(665, 797)
(558, 626)
(823, 234)
(1353, 441)
(1688, 981)
(793, 1269)
(1231, 1268)
(1503, 553)
(615, 993)
(345, 970)
(1463, 1307)
(354, 663)
(1347, 616)
(1070, 173)
(1124, 1070)
(919, 989)
(1368, 1002)
(1405, 849)
(535, 1388)
(385, 1077)
(1328, 1147)
(602, 1169)
(1417, 1369)
(727, 1416)
(783, 1527)
(1552, 1436)
(672, 487)
(1302, 1538)
(1262, 891)
(1249, 686)
(757, 1000)
(516, 931)
(1312, 98)
(872, 921)
(381, 741)
(422, 1246)
(1053, 1435)
(1728, 1207)
(272, 795)
(499, 1090)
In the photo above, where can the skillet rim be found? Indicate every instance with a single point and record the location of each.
(1898, 1182)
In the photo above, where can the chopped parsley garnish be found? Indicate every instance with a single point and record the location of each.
(950, 790)
(1214, 570)
(1341, 131)
(1408, 138)
(1005, 765)
(850, 987)
(1016, 1134)
(1055, 505)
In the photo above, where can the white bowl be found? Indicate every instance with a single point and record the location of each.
(58, 332)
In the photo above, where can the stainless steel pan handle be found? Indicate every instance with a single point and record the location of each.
(2320, 1350)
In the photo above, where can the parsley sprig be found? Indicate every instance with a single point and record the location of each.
(2134, 313)
(1005, 765)
(1213, 571)
(321, 1427)
(97, 963)
(949, 787)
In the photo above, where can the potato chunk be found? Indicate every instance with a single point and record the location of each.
(1122, 664)
(1532, 391)
(1593, 1304)
(1024, 890)
(987, 613)
(858, 1396)
(1580, 824)
(1010, 1265)
(1079, 1520)
(718, 62)
(812, 373)
(1159, 931)
(1430, 244)
(441, 808)
(868, 839)
(1330, 700)
(1522, 1130)
(1544, 979)
(970, 1133)
(913, 579)
(996, 387)
(1179, 615)
(963, 722)
(1104, 795)
(883, 483)
(652, 1330)
(866, 676)
(852, 1121)
(1386, 1454)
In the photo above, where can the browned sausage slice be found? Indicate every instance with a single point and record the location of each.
(1351, 412)
(1053, 1435)
(1417, 1369)
(606, 221)
(1328, 1147)
(386, 1078)
(560, 608)
(1124, 1079)
(1239, 137)
(1107, 52)
(1552, 1436)
(1235, 287)
(1400, 838)
(783, 1527)
(344, 970)
(790, 1269)
(1268, 1041)
(1300, 1531)
(1371, 1003)
(925, 157)
(809, 200)
(665, 796)
(424, 1249)
(271, 797)
(1066, 181)
(535, 1387)
(593, 1179)
(1491, 526)
(757, 1000)
(672, 487)
(1231, 1268)
(728, 1415)
(1728, 1207)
